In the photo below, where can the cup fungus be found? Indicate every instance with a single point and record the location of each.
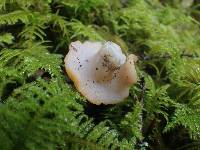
(100, 71)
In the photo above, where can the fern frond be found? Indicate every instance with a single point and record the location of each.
(20, 66)
(37, 5)
(3, 4)
(187, 117)
(15, 17)
(185, 74)
(84, 6)
(82, 31)
(41, 116)
(157, 99)
(6, 38)
(60, 21)
(33, 31)
(132, 122)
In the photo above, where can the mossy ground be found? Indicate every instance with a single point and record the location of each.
(41, 109)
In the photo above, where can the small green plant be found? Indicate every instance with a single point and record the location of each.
(41, 109)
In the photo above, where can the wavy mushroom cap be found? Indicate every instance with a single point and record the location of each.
(100, 71)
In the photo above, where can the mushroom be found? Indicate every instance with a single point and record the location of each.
(100, 71)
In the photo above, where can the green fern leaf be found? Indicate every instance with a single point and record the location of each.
(14, 17)
(6, 38)
(84, 32)
(187, 117)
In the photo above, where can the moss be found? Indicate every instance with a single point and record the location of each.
(41, 109)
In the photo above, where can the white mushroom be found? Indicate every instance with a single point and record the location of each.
(100, 71)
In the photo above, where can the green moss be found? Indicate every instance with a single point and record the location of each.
(41, 109)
